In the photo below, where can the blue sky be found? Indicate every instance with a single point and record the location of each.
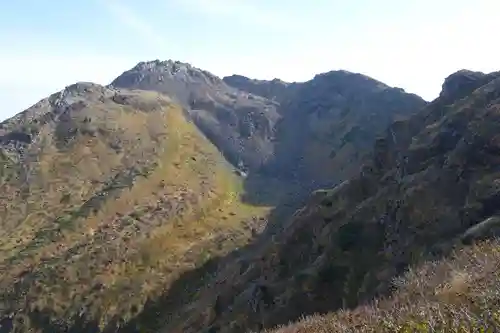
(413, 44)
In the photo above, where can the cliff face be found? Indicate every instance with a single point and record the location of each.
(432, 183)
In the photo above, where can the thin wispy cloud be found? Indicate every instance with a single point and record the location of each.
(135, 22)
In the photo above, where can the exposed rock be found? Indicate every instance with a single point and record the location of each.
(486, 229)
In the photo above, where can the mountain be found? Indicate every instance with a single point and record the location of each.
(283, 130)
(275, 89)
(238, 123)
(120, 204)
(430, 187)
(107, 196)
(332, 121)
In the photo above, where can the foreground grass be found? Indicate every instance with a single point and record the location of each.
(459, 294)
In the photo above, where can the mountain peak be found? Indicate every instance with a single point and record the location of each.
(350, 79)
(158, 64)
(170, 77)
(461, 83)
(80, 91)
(176, 70)
(80, 88)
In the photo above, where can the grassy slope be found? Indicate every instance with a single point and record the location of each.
(457, 294)
(97, 230)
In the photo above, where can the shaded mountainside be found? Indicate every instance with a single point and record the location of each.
(332, 121)
(432, 184)
(106, 197)
(275, 89)
(283, 130)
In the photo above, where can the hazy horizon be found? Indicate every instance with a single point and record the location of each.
(414, 46)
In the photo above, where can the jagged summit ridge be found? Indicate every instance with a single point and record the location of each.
(80, 90)
(166, 70)
(52, 107)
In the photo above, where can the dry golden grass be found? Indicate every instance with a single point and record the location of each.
(458, 294)
(104, 229)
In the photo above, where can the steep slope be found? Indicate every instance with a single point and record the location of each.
(456, 294)
(432, 184)
(331, 123)
(106, 197)
(239, 123)
(307, 134)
